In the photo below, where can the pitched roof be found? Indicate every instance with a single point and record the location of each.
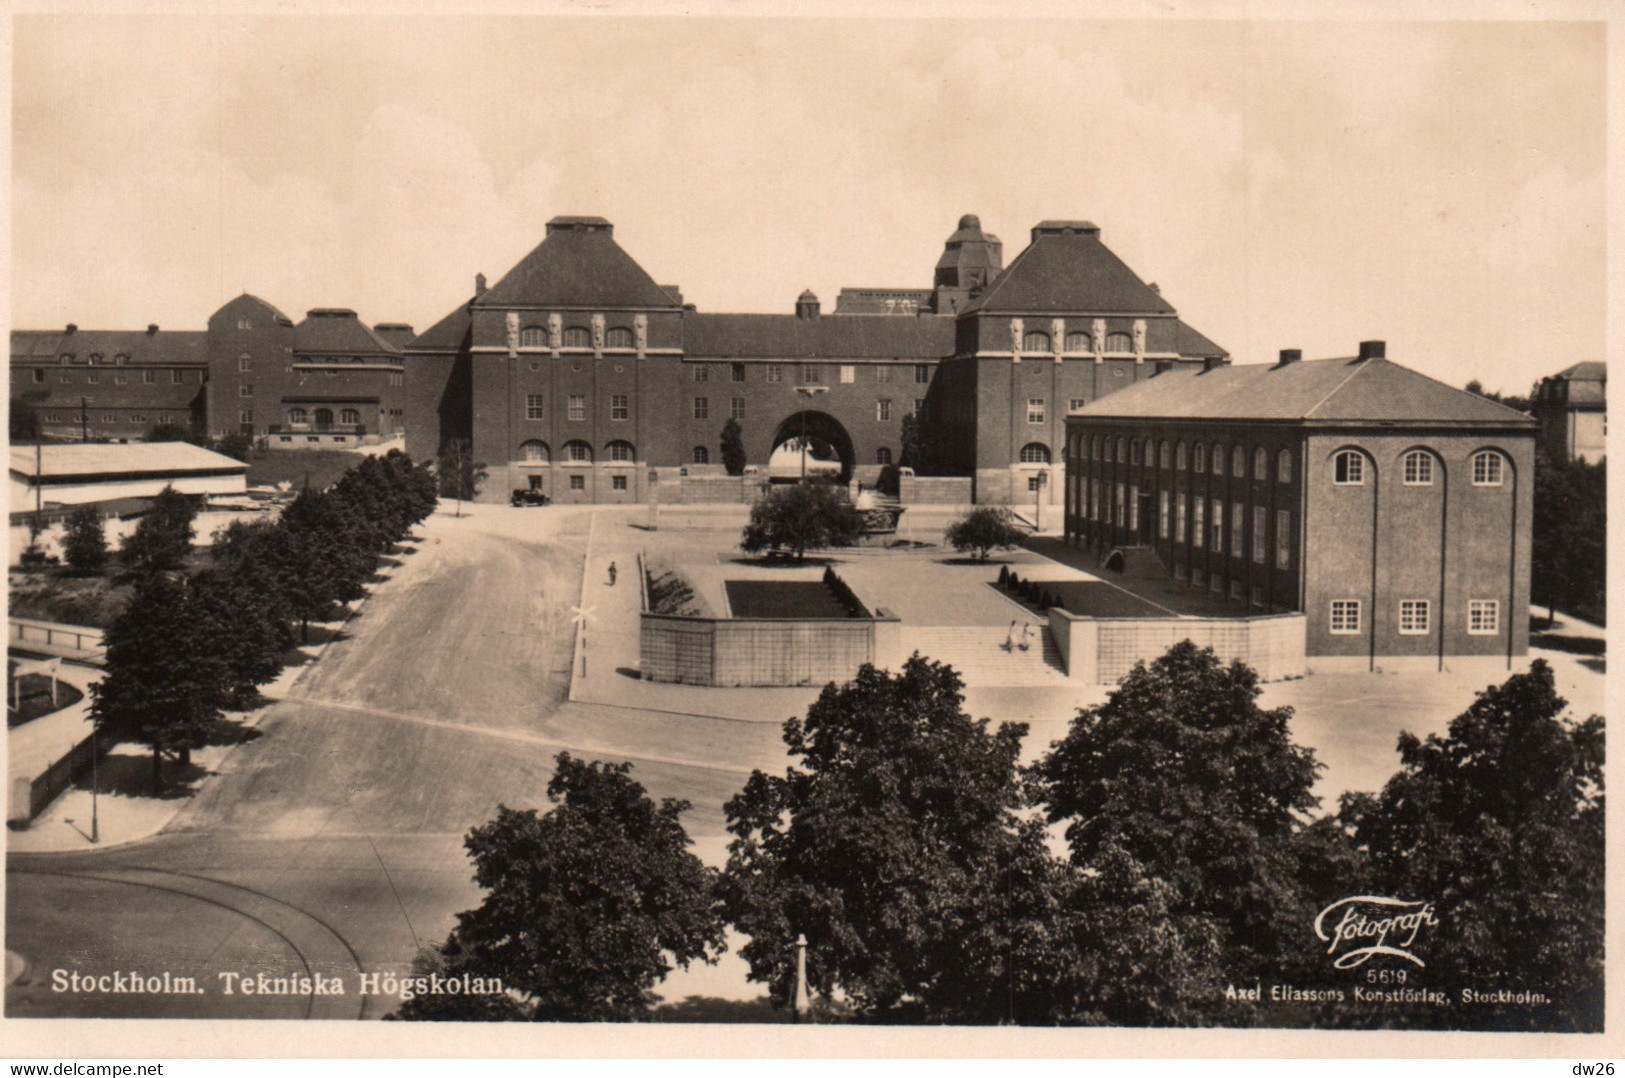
(146, 458)
(1188, 342)
(1590, 371)
(142, 347)
(337, 331)
(1067, 268)
(577, 267)
(827, 337)
(1320, 391)
(447, 335)
(249, 299)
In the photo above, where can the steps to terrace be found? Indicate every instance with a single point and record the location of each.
(978, 653)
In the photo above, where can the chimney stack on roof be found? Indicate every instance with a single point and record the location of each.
(1163, 367)
(152, 327)
(1211, 363)
(1373, 350)
(1290, 356)
(479, 285)
(72, 328)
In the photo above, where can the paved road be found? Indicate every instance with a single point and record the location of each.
(333, 843)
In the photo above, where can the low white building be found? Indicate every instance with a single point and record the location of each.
(55, 475)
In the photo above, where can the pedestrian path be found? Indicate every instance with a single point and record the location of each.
(991, 656)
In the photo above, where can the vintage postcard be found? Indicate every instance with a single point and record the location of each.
(745, 532)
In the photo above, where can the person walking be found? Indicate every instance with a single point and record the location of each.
(612, 574)
(1010, 637)
(1026, 634)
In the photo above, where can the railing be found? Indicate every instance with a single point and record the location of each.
(27, 634)
(312, 428)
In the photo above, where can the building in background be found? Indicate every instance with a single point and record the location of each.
(1392, 510)
(1572, 407)
(51, 476)
(577, 373)
(110, 385)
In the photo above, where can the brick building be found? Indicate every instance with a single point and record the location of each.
(1572, 408)
(330, 380)
(1417, 496)
(576, 373)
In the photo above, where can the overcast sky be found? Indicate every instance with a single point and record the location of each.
(1437, 185)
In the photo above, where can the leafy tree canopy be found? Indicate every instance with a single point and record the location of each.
(733, 448)
(800, 517)
(163, 539)
(85, 544)
(983, 530)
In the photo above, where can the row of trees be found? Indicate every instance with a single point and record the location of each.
(1569, 555)
(914, 852)
(190, 645)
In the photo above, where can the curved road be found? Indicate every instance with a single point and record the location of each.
(333, 842)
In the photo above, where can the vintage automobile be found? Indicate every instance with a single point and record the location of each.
(523, 497)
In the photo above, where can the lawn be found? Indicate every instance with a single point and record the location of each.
(782, 599)
(319, 467)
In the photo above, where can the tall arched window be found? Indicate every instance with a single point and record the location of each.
(577, 452)
(1348, 468)
(1035, 453)
(1121, 459)
(1261, 464)
(1179, 457)
(1035, 340)
(577, 337)
(350, 417)
(1165, 454)
(324, 418)
(618, 337)
(702, 455)
(1199, 457)
(620, 452)
(1488, 468)
(1238, 462)
(533, 337)
(1283, 466)
(1119, 342)
(534, 452)
(1077, 342)
(1218, 458)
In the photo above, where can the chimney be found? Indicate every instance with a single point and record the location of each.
(72, 328)
(1211, 363)
(1290, 356)
(479, 285)
(1163, 367)
(152, 327)
(1373, 350)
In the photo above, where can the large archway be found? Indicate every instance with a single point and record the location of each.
(826, 442)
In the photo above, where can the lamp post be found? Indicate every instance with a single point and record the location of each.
(809, 392)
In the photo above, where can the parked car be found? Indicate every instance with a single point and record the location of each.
(528, 497)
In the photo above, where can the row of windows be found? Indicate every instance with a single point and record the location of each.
(1176, 456)
(137, 418)
(1416, 617)
(349, 417)
(1036, 340)
(94, 358)
(1188, 525)
(811, 374)
(576, 452)
(576, 337)
(148, 377)
(1417, 469)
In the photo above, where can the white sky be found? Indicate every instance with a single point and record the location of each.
(1290, 184)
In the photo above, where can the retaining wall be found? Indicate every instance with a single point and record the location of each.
(764, 651)
(1101, 650)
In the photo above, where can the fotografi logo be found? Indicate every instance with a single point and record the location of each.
(1360, 927)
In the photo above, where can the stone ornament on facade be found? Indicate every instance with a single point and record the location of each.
(640, 331)
(555, 331)
(1016, 330)
(1057, 336)
(513, 334)
(1139, 336)
(597, 333)
(1098, 330)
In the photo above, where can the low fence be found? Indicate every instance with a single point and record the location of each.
(1101, 650)
(764, 651)
(44, 787)
(51, 638)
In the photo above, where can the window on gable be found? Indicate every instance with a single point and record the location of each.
(1348, 468)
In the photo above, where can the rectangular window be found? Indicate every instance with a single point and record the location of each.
(244, 363)
(619, 408)
(119, 378)
(919, 405)
(1162, 514)
(177, 376)
(1413, 617)
(1218, 526)
(922, 373)
(245, 390)
(109, 417)
(578, 482)
(534, 406)
(1089, 499)
(882, 374)
(849, 374)
(1261, 522)
(1238, 524)
(1075, 403)
(775, 373)
(1483, 617)
(810, 375)
(1345, 616)
(1199, 523)
(577, 406)
(1257, 595)
(617, 482)
(244, 416)
(1182, 513)
(39, 374)
(1033, 484)
(149, 377)
(702, 408)
(93, 378)
(65, 378)
(1122, 512)
(883, 411)
(737, 372)
(1236, 588)
(1283, 538)
(1133, 508)
(736, 408)
(1035, 409)
(702, 373)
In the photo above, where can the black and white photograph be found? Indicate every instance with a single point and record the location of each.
(643, 525)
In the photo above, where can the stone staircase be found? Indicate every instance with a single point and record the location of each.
(977, 652)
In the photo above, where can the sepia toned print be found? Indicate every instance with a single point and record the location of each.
(851, 522)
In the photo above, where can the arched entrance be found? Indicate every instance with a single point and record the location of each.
(826, 445)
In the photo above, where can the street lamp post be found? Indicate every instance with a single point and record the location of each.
(809, 392)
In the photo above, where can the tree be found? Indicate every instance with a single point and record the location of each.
(1569, 554)
(733, 448)
(983, 530)
(235, 445)
(587, 907)
(25, 424)
(1500, 825)
(329, 553)
(910, 443)
(85, 544)
(164, 678)
(163, 539)
(885, 843)
(460, 474)
(171, 432)
(803, 516)
(242, 621)
(1181, 777)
